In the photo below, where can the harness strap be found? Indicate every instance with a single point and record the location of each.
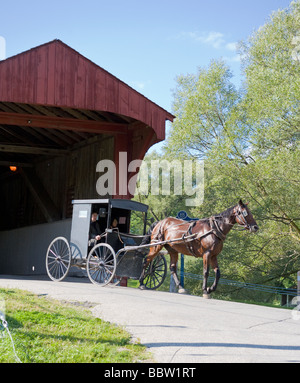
(216, 229)
(189, 237)
(189, 243)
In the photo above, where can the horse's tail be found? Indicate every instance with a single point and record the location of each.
(147, 238)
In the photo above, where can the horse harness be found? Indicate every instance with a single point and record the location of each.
(216, 229)
(189, 237)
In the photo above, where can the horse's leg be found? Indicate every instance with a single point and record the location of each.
(152, 254)
(206, 263)
(215, 266)
(173, 268)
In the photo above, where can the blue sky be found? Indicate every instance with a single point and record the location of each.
(144, 43)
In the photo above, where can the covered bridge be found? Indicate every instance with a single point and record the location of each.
(60, 114)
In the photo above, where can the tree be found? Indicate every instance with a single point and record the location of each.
(204, 106)
(272, 102)
(162, 203)
(249, 139)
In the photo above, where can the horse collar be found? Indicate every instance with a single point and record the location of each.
(216, 229)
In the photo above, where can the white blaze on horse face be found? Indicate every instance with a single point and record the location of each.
(245, 213)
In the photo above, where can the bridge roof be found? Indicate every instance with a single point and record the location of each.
(54, 74)
(55, 88)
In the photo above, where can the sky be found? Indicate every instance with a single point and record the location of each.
(146, 44)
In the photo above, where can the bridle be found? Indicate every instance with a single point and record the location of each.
(241, 215)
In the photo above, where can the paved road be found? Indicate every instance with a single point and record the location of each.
(182, 328)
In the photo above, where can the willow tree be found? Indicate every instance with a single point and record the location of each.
(249, 140)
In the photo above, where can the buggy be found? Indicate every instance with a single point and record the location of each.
(116, 254)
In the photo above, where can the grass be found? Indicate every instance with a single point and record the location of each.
(49, 331)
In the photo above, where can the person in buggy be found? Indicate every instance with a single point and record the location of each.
(95, 230)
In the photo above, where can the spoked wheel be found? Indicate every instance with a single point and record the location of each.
(155, 273)
(58, 259)
(101, 264)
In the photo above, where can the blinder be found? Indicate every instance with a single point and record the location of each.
(242, 214)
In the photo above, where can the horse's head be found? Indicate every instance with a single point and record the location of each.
(244, 217)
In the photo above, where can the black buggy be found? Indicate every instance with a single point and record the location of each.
(117, 253)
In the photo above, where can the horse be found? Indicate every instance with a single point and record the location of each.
(202, 239)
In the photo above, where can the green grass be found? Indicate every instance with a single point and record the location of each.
(49, 331)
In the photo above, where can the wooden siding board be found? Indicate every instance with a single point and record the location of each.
(80, 85)
(133, 105)
(5, 82)
(41, 74)
(99, 90)
(112, 94)
(89, 95)
(143, 110)
(50, 76)
(29, 77)
(59, 77)
(123, 101)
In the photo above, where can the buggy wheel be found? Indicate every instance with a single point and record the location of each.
(155, 273)
(58, 259)
(101, 264)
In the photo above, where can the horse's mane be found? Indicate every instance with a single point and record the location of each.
(226, 213)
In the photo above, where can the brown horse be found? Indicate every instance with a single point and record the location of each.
(203, 238)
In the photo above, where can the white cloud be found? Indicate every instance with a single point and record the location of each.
(231, 46)
(214, 39)
(138, 84)
(233, 59)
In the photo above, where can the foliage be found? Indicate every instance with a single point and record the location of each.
(161, 205)
(249, 140)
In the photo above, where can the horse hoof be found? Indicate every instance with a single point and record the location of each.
(206, 296)
(182, 291)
